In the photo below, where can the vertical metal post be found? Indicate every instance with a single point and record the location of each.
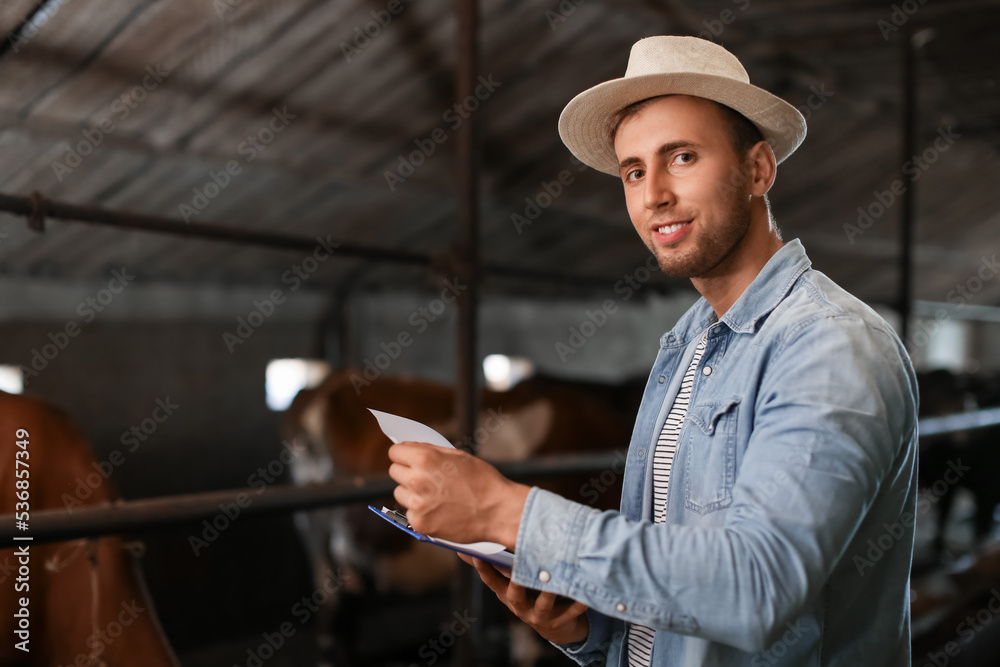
(468, 593)
(337, 343)
(467, 246)
(909, 140)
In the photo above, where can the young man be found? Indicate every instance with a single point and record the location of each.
(770, 487)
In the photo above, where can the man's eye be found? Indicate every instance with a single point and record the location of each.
(633, 175)
(684, 158)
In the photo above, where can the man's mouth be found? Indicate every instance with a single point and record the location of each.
(669, 229)
(671, 232)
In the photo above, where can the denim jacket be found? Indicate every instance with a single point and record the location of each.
(790, 512)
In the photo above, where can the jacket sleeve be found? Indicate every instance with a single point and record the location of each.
(833, 412)
(603, 632)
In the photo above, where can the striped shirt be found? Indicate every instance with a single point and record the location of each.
(640, 637)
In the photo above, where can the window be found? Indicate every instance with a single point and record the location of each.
(947, 344)
(284, 379)
(503, 372)
(11, 379)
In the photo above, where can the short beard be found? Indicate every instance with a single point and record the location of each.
(717, 244)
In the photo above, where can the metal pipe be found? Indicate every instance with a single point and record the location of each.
(123, 516)
(337, 340)
(957, 311)
(905, 296)
(467, 593)
(963, 421)
(126, 516)
(36, 208)
(467, 204)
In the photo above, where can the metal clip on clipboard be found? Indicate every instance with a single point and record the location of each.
(488, 551)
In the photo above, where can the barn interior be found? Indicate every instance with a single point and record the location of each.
(168, 171)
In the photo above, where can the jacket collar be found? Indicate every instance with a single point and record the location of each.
(762, 296)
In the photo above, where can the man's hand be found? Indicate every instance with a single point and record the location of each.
(449, 493)
(559, 622)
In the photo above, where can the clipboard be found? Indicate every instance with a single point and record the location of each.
(399, 429)
(483, 550)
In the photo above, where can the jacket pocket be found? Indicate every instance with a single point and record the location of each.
(710, 457)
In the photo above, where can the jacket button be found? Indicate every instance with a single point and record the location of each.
(707, 370)
(661, 379)
(620, 606)
(544, 576)
(641, 453)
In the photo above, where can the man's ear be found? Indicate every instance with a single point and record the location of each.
(763, 168)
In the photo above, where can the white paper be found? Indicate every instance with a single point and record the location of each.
(401, 429)
(485, 551)
(486, 548)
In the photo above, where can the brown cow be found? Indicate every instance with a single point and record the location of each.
(336, 437)
(87, 602)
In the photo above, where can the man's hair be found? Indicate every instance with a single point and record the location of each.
(743, 134)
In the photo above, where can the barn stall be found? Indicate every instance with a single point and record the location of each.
(195, 192)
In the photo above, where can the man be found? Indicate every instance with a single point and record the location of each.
(770, 486)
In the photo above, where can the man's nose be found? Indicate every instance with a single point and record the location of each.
(659, 192)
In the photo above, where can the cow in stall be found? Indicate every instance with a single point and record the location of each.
(87, 602)
(335, 437)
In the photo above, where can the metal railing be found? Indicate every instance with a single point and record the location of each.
(125, 516)
(133, 515)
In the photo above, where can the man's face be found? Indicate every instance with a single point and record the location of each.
(686, 188)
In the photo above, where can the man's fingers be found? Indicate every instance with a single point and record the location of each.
(407, 453)
(570, 612)
(493, 579)
(402, 474)
(413, 484)
(403, 496)
(485, 570)
(544, 602)
(504, 571)
(517, 597)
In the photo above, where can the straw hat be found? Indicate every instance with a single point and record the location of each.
(674, 65)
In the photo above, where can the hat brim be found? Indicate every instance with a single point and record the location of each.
(583, 124)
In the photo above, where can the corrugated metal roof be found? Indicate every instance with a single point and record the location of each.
(349, 103)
